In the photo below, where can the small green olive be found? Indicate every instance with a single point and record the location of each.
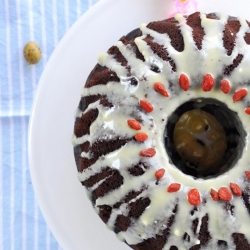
(32, 53)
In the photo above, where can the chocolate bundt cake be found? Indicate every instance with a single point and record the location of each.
(162, 131)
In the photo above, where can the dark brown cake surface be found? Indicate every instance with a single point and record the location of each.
(144, 191)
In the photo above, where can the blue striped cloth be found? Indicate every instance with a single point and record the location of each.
(21, 223)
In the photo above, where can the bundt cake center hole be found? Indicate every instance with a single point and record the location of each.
(204, 138)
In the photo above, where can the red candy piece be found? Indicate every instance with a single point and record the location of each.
(134, 124)
(184, 82)
(207, 82)
(214, 194)
(236, 189)
(146, 106)
(247, 173)
(158, 87)
(149, 152)
(159, 173)
(225, 194)
(141, 137)
(194, 197)
(225, 86)
(247, 110)
(239, 95)
(174, 187)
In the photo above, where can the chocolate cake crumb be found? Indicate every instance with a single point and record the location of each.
(195, 247)
(171, 28)
(234, 65)
(138, 169)
(111, 183)
(105, 172)
(160, 51)
(77, 153)
(104, 212)
(101, 76)
(240, 242)
(229, 35)
(131, 195)
(83, 124)
(129, 40)
(122, 222)
(198, 32)
(87, 100)
(247, 35)
(204, 235)
(138, 207)
(101, 148)
(118, 55)
(246, 198)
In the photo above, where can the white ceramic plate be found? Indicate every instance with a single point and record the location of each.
(62, 199)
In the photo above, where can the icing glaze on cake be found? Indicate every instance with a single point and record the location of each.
(120, 176)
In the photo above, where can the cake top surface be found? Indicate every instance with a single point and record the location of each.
(148, 92)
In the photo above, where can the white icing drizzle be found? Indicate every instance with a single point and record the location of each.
(110, 123)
